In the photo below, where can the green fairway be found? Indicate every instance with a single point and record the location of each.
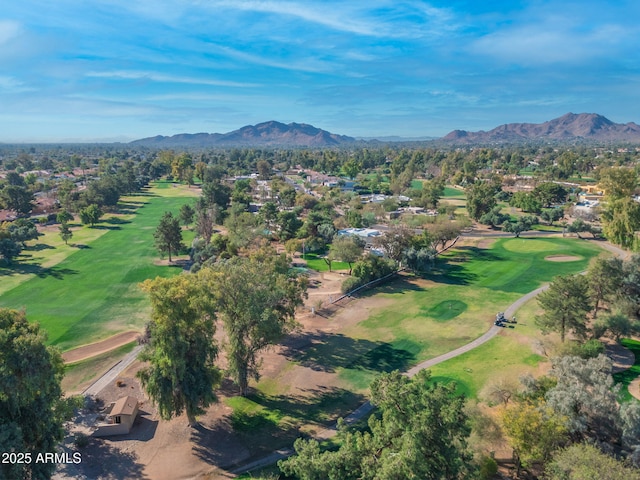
(456, 304)
(93, 292)
(499, 358)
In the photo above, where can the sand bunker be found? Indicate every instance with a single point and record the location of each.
(562, 258)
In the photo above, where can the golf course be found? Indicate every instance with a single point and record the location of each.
(87, 290)
(407, 321)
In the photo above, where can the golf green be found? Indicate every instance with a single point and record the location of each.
(445, 310)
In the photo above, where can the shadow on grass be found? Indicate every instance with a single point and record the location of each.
(38, 247)
(400, 284)
(323, 405)
(273, 422)
(31, 269)
(327, 352)
(142, 194)
(106, 227)
(116, 221)
(450, 274)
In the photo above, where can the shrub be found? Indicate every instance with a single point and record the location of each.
(351, 283)
(488, 468)
(81, 440)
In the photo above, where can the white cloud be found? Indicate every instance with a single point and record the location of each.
(158, 77)
(375, 19)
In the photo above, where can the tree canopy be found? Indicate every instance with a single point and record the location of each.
(566, 303)
(256, 299)
(31, 403)
(181, 376)
(168, 235)
(420, 431)
(481, 198)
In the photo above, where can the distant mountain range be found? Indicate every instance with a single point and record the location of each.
(264, 134)
(569, 127)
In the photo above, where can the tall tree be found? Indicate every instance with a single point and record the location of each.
(621, 221)
(535, 433)
(23, 230)
(481, 198)
(395, 242)
(91, 214)
(17, 198)
(421, 432)
(186, 214)
(65, 232)
(168, 235)
(181, 376)
(618, 182)
(182, 168)
(346, 249)
(566, 303)
(549, 193)
(31, 403)
(605, 280)
(264, 169)
(256, 299)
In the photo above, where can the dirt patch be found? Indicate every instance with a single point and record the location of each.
(562, 258)
(161, 449)
(485, 243)
(93, 349)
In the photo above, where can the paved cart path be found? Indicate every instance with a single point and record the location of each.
(366, 408)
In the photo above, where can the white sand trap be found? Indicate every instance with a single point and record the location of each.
(562, 258)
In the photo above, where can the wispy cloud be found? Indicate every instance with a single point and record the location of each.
(158, 77)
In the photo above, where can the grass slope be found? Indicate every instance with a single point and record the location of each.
(93, 292)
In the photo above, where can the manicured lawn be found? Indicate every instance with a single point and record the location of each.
(426, 318)
(93, 293)
(45, 252)
(500, 358)
(456, 304)
(452, 192)
(626, 377)
(315, 262)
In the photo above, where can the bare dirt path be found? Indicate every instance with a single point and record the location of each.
(103, 346)
(111, 375)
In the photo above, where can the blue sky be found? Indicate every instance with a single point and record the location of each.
(117, 70)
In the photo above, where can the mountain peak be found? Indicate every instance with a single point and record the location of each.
(270, 133)
(570, 126)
